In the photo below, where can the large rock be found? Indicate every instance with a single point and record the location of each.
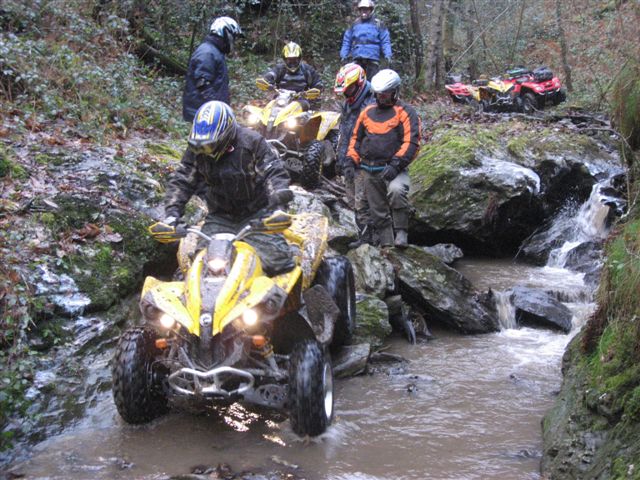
(342, 221)
(351, 360)
(488, 190)
(488, 208)
(443, 293)
(372, 321)
(538, 308)
(373, 273)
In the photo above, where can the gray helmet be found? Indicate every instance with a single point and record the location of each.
(386, 87)
(368, 7)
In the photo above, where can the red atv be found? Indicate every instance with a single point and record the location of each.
(458, 91)
(534, 89)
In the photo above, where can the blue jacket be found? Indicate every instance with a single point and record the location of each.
(207, 76)
(350, 114)
(366, 39)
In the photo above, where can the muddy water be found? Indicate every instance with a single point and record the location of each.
(464, 408)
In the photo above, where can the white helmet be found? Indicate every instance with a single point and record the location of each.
(227, 28)
(368, 7)
(386, 87)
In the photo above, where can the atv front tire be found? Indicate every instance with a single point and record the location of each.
(310, 389)
(312, 165)
(137, 382)
(529, 103)
(335, 274)
(560, 97)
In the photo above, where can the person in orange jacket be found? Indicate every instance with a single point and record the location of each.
(385, 141)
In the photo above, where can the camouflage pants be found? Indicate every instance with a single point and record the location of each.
(272, 249)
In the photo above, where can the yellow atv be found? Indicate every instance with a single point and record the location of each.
(229, 333)
(305, 140)
(496, 95)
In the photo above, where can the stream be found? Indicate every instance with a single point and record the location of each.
(465, 407)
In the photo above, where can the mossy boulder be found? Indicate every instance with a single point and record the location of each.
(372, 321)
(444, 294)
(486, 189)
(112, 264)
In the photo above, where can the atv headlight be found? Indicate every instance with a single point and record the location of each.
(292, 123)
(250, 317)
(167, 321)
(252, 119)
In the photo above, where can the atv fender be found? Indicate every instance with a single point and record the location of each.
(320, 312)
(328, 122)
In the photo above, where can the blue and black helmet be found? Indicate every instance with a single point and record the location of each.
(214, 128)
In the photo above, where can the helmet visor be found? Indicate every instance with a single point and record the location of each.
(365, 12)
(210, 149)
(386, 99)
(351, 90)
(292, 62)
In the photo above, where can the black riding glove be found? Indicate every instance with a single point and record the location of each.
(389, 173)
(279, 199)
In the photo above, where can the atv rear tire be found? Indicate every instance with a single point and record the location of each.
(138, 389)
(529, 103)
(312, 165)
(335, 274)
(310, 389)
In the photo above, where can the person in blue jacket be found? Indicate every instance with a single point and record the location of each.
(207, 77)
(367, 40)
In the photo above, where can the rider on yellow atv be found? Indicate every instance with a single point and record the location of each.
(242, 177)
(294, 74)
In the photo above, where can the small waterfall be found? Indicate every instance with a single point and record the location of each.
(506, 309)
(589, 223)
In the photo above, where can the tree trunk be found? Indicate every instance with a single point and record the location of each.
(417, 33)
(514, 46)
(448, 40)
(471, 36)
(563, 48)
(435, 44)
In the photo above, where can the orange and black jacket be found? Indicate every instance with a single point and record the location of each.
(385, 136)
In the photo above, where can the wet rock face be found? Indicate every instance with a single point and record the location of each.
(537, 308)
(443, 293)
(372, 321)
(374, 274)
(501, 194)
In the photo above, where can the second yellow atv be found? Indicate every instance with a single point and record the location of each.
(229, 333)
(305, 140)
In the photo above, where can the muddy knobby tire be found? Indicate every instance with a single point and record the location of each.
(529, 103)
(310, 389)
(333, 138)
(335, 274)
(138, 390)
(312, 165)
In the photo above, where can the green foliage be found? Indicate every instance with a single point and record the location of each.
(8, 166)
(79, 74)
(16, 316)
(626, 103)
